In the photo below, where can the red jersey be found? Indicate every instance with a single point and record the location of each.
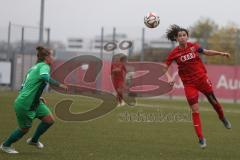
(190, 66)
(119, 73)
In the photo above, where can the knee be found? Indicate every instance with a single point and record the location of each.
(50, 122)
(25, 130)
(195, 107)
(211, 98)
(192, 101)
(119, 90)
(48, 119)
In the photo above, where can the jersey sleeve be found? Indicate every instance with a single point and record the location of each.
(198, 48)
(169, 59)
(45, 75)
(45, 69)
(48, 79)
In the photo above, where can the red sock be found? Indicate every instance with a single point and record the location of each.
(219, 109)
(197, 124)
(119, 97)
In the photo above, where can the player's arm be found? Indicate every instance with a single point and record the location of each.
(45, 75)
(213, 53)
(170, 79)
(51, 81)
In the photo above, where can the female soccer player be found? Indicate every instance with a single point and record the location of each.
(118, 73)
(194, 75)
(29, 104)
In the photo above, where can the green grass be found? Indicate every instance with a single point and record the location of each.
(113, 138)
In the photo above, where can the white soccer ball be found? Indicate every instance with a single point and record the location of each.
(151, 20)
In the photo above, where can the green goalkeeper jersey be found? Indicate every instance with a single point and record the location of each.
(33, 86)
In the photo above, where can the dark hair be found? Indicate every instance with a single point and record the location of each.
(119, 57)
(42, 53)
(173, 30)
(123, 58)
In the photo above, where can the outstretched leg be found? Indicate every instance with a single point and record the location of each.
(218, 108)
(14, 137)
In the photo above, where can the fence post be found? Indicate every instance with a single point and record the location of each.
(23, 55)
(48, 36)
(9, 41)
(102, 39)
(143, 45)
(114, 38)
(41, 26)
(237, 44)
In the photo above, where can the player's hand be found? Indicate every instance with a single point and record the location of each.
(65, 87)
(43, 100)
(228, 55)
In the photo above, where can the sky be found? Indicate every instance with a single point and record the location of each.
(84, 19)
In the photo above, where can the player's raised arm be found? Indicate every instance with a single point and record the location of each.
(214, 53)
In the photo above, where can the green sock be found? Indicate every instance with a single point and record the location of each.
(42, 127)
(16, 135)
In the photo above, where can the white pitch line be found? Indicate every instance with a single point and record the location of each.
(180, 108)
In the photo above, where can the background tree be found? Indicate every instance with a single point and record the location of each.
(225, 39)
(202, 30)
(211, 36)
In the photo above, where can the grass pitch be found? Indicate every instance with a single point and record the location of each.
(153, 130)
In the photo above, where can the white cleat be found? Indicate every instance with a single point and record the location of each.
(119, 105)
(203, 143)
(38, 145)
(123, 103)
(8, 150)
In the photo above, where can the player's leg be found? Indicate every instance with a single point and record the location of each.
(118, 85)
(192, 97)
(120, 95)
(24, 119)
(218, 108)
(206, 88)
(47, 120)
(15, 136)
(197, 124)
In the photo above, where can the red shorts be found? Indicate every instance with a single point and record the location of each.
(203, 85)
(118, 84)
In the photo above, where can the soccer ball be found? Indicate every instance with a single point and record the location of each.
(151, 20)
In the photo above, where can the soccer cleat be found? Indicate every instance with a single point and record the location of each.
(123, 103)
(226, 123)
(39, 145)
(203, 143)
(119, 105)
(9, 150)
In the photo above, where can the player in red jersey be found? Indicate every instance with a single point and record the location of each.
(118, 73)
(194, 75)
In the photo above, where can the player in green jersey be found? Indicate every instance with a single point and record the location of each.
(30, 105)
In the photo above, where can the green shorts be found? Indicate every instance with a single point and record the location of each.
(26, 117)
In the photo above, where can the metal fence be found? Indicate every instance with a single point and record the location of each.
(18, 48)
